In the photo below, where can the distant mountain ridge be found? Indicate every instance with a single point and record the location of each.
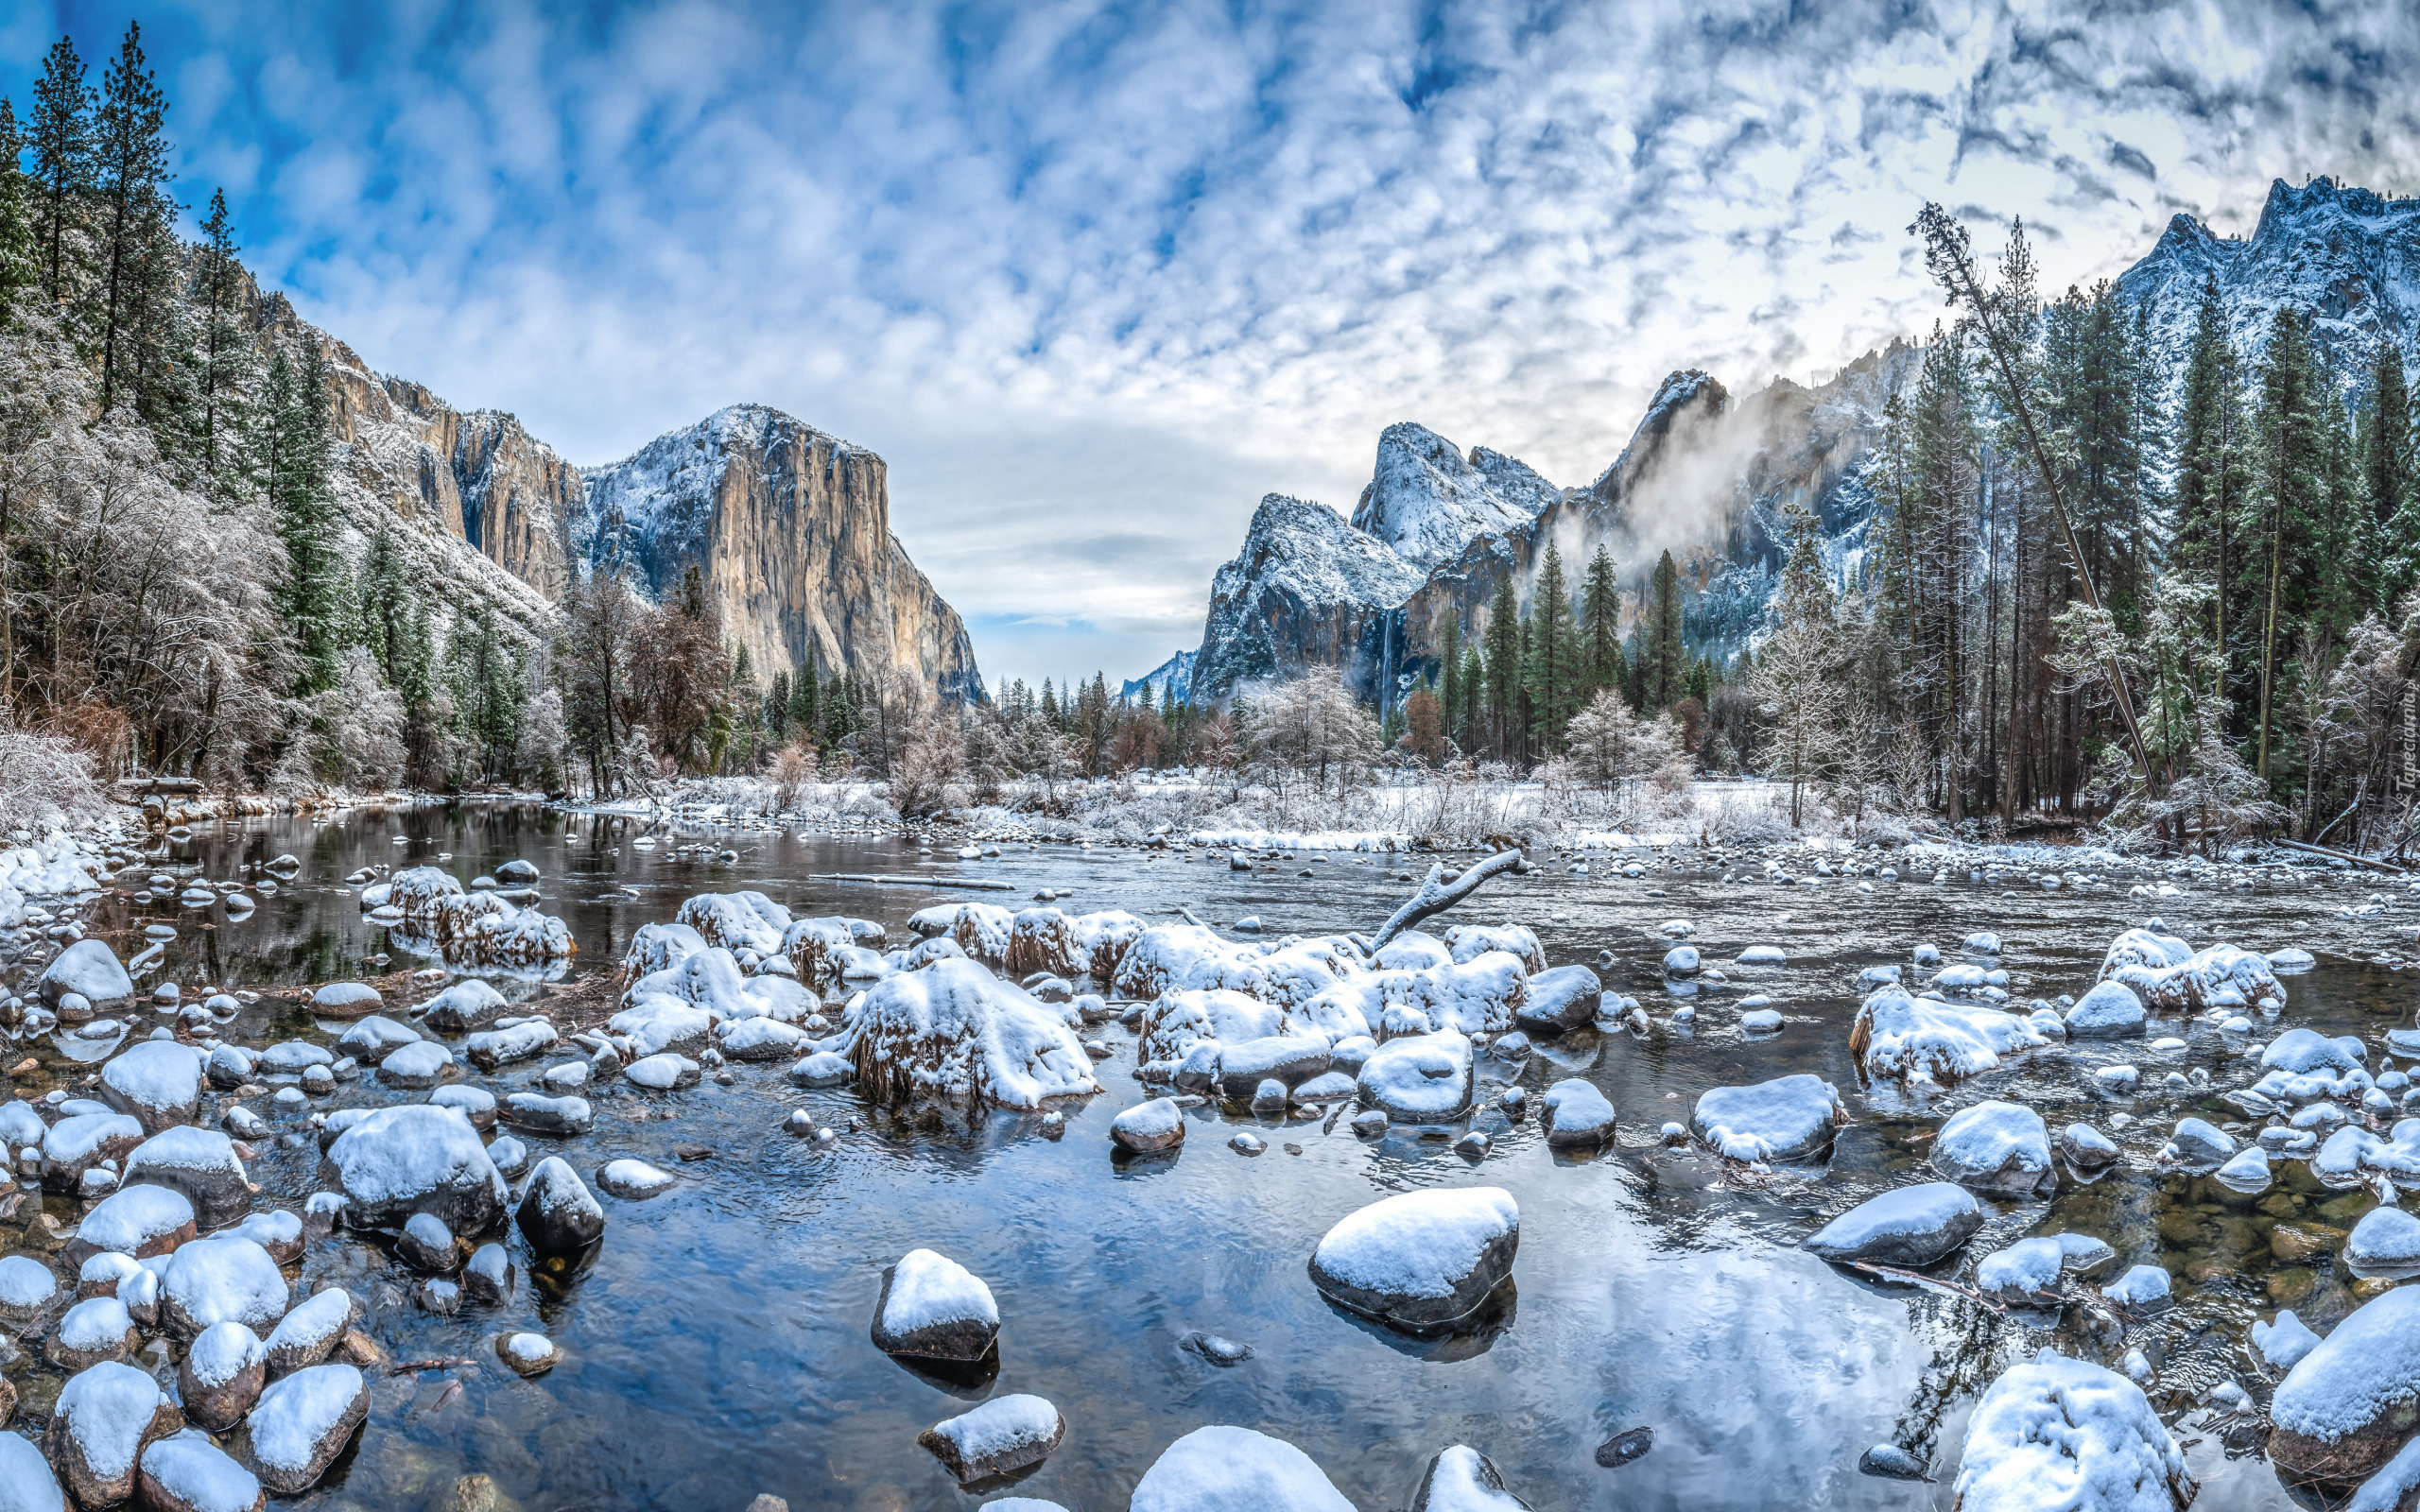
(1706, 475)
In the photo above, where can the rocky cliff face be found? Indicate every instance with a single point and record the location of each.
(1298, 595)
(790, 526)
(1427, 500)
(792, 530)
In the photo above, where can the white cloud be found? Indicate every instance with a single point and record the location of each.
(1095, 278)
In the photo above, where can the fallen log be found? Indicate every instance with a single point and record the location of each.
(2370, 862)
(867, 879)
(1436, 895)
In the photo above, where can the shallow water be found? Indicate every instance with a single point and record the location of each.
(717, 1343)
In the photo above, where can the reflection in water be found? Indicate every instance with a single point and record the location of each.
(716, 1342)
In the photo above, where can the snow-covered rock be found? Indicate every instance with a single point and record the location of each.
(221, 1376)
(27, 1482)
(418, 1064)
(1461, 1479)
(2109, 1012)
(491, 1048)
(94, 1329)
(467, 1006)
(2219, 976)
(1911, 1225)
(1149, 1128)
(1185, 958)
(415, 1158)
(157, 1082)
(1783, 1119)
(1427, 1079)
(1420, 1259)
(307, 1334)
(1559, 1000)
(2071, 1434)
(80, 1142)
(2142, 1289)
(1897, 1037)
(1574, 1114)
(2353, 1401)
(528, 1355)
(104, 1417)
(1994, 1146)
(220, 1279)
(634, 1180)
(88, 969)
(2386, 1241)
(186, 1472)
(933, 1308)
(559, 1215)
(137, 1219)
(955, 1030)
(1222, 1469)
(2284, 1343)
(1001, 1437)
(663, 1072)
(2198, 1143)
(302, 1423)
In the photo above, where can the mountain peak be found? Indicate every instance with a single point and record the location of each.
(1427, 501)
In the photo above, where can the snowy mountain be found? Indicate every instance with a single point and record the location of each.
(790, 526)
(792, 530)
(1297, 595)
(2349, 256)
(1173, 677)
(1427, 501)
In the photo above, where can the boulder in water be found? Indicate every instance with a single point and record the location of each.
(1912, 1226)
(1222, 1469)
(1003, 1435)
(1994, 1146)
(2064, 1432)
(1420, 1259)
(933, 1308)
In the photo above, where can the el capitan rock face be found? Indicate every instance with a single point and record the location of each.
(792, 528)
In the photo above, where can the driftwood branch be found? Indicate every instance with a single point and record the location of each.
(1920, 1279)
(1436, 896)
(2370, 862)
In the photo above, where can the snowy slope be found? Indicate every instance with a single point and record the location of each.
(1427, 501)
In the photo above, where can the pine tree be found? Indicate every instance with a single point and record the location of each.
(1600, 624)
(293, 458)
(806, 703)
(387, 606)
(20, 261)
(1792, 681)
(1666, 660)
(777, 709)
(226, 363)
(62, 140)
(1474, 684)
(2387, 477)
(130, 161)
(1502, 643)
(1553, 674)
(2213, 481)
(2290, 487)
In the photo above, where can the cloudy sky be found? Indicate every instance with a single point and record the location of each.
(1093, 278)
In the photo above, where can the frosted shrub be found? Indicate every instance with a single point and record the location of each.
(43, 778)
